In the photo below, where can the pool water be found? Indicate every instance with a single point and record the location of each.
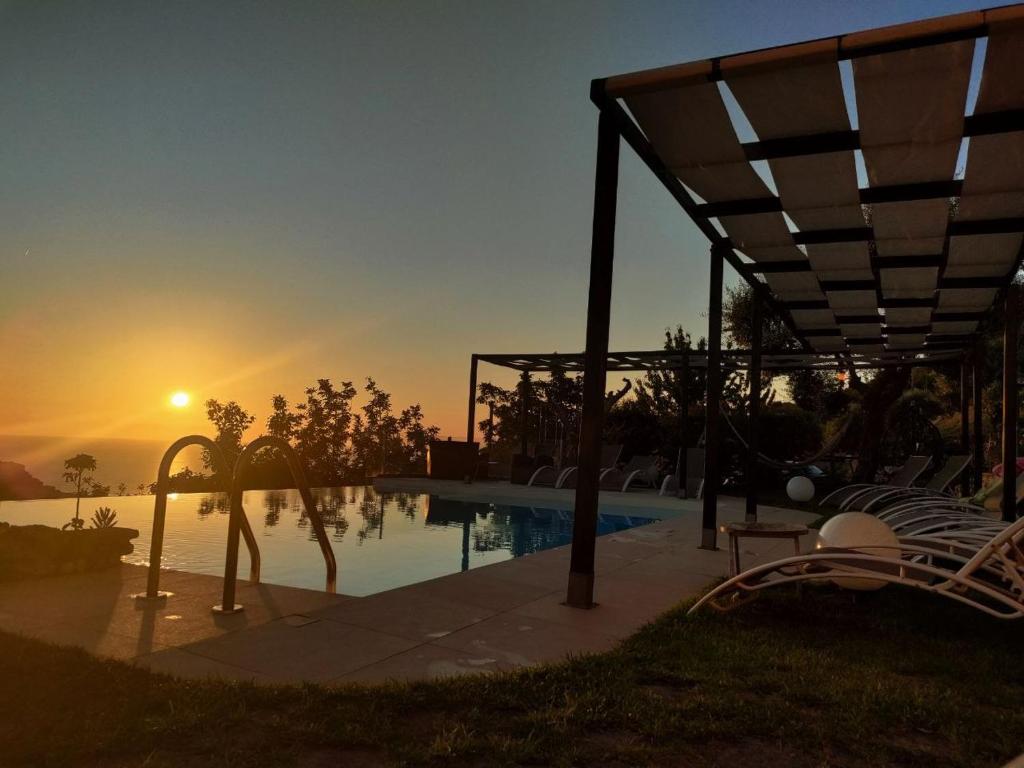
(380, 540)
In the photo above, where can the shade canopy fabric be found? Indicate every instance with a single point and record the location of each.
(911, 256)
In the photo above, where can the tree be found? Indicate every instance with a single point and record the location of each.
(76, 471)
(813, 390)
(738, 320)
(282, 422)
(561, 399)
(548, 411)
(376, 430)
(230, 420)
(910, 427)
(506, 408)
(98, 489)
(122, 489)
(661, 392)
(417, 436)
(323, 432)
(382, 442)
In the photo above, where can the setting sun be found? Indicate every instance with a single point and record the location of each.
(180, 399)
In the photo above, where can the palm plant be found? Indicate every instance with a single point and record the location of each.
(104, 517)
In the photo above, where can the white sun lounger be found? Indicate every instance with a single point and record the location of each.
(934, 488)
(850, 496)
(639, 469)
(566, 478)
(988, 578)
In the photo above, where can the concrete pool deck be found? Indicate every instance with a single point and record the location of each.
(496, 617)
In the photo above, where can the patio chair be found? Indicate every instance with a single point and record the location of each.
(639, 469)
(988, 578)
(934, 488)
(849, 495)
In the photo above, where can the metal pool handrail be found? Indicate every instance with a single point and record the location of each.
(236, 519)
(163, 482)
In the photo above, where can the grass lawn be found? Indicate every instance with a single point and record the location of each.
(826, 679)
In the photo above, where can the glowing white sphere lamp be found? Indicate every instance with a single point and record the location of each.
(800, 488)
(864, 533)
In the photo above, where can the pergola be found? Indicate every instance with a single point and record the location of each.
(750, 363)
(911, 261)
(738, 359)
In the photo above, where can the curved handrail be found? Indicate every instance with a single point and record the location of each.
(163, 482)
(237, 515)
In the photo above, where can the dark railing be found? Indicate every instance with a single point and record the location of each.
(163, 482)
(237, 520)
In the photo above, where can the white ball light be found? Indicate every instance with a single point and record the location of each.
(800, 488)
(865, 533)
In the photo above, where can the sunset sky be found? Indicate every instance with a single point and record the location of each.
(233, 199)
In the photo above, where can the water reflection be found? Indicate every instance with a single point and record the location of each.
(381, 541)
(214, 502)
(273, 503)
(484, 527)
(518, 530)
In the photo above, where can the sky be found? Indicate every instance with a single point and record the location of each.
(234, 199)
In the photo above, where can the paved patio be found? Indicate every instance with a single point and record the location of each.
(497, 617)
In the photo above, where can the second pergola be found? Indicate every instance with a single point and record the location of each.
(908, 262)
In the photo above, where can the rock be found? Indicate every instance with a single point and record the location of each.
(17, 483)
(30, 551)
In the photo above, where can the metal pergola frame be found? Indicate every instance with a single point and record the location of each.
(751, 362)
(739, 359)
(616, 125)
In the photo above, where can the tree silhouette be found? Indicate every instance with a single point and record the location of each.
(230, 420)
(322, 434)
(282, 422)
(75, 472)
(375, 432)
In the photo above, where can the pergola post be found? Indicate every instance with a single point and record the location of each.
(580, 592)
(965, 433)
(979, 437)
(684, 426)
(470, 426)
(753, 411)
(709, 522)
(524, 416)
(1010, 405)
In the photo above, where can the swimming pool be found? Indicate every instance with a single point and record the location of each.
(380, 540)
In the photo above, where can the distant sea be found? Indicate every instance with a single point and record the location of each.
(117, 460)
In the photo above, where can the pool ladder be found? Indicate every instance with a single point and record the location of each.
(238, 523)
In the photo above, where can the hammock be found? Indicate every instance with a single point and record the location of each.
(825, 449)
